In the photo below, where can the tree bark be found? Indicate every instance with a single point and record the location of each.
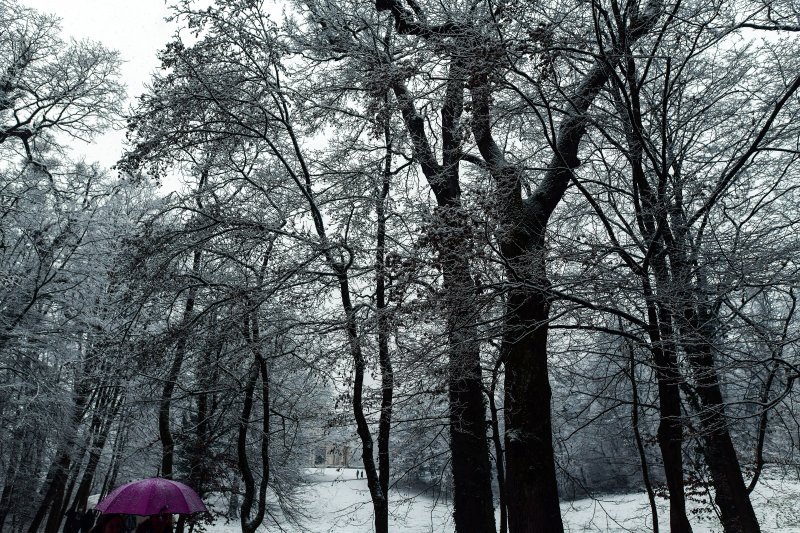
(472, 492)
(533, 503)
(731, 494)
(384, 356)
(637, 433)
(670, 427)
(120, 441)
(339, 267)
(695, 320)
(199, 458)
(763, 419)
(472, 479)
(241, 450)
(252, 332)
(380, 502)
(652, 224)
(56, 478)
(533, 506)
(111, 407)
(499, 452)
(164, 422)
(17, 467)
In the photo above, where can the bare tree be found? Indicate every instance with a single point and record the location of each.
(48, 86)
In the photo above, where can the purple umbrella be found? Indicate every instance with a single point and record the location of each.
(152, 496)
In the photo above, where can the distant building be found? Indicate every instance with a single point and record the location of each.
(332, 455)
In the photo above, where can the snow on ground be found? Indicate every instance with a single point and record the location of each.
(339, 502)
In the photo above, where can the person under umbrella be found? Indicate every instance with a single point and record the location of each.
(154, 496)
(157, 498)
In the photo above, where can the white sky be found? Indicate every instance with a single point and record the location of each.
(135, 28)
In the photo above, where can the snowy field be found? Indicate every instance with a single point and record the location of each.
(340, 503)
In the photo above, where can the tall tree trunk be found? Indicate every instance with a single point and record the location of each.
(8, 487)
(384, 356)
(241, 449)
(252, 333)
(637, 434)
(669, 378)
(56, 478)
(57, 512)
(199, 458)
(111, 408)
(731, 494)
(670, 427)
(761, 434)
(472, 477)
(339, 266)
(379, 498)
(652, 224)
(533, 504)
(120, 441)
(696, 325)
(16, 468)
(497, 440)
(164, 422)
(472, 492)
(532, 499)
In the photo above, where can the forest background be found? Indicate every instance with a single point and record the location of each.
(521, 252)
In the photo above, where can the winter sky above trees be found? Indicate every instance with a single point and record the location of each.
(496, 255)
(135, 29)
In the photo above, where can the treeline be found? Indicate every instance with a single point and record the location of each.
(522, 251)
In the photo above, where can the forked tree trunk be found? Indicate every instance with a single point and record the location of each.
(533, 495)
(472, 477)
(665, 360)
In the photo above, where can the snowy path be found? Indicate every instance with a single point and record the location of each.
(339, 503)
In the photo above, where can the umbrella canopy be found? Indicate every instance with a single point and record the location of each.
(152, 496)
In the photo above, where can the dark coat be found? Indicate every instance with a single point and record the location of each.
(73, 522)
(87, 521)
(147, 527)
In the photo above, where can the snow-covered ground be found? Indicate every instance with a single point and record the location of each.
(339, 502)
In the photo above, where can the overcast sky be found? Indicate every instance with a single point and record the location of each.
(136, 28)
